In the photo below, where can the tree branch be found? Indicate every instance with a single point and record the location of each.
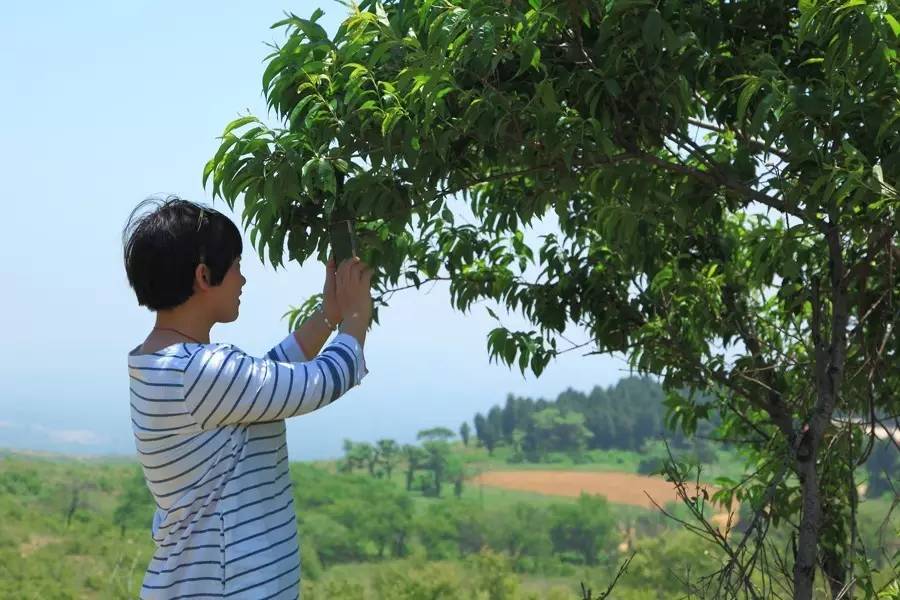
(755, 142)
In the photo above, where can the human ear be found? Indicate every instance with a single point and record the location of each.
(201, 274)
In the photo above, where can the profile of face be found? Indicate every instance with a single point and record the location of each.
(223, 300)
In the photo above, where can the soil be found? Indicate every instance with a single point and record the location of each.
(618, 488)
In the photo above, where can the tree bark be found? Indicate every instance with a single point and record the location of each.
(829, 371)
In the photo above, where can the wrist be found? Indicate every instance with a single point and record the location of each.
(331, 321)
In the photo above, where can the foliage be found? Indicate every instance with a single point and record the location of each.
(722, 177)
(491, 542)
(629, 415)
(584, 528)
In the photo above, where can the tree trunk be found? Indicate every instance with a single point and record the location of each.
(835, 570)
(810, 523)
(829, 371)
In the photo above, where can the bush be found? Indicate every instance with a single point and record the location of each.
(650, 465)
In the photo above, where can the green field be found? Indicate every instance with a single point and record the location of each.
(79, 528)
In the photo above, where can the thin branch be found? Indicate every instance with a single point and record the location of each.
(757, 143)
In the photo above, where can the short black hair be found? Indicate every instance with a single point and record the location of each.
(163, 248)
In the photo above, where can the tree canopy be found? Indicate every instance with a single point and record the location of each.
(721, 175)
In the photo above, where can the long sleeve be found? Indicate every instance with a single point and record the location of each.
(223, 385)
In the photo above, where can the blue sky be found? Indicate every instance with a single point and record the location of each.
(107, 103)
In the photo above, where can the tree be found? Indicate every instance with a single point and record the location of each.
(552, 430)
(388, 455)
(455, 472)
(437, 461)
(464, 433)
(358, 455)
(135, 505)
(435, 434)
(721, 176)
(585, 527)
(415, 459)
(350, 457)
(509, 418)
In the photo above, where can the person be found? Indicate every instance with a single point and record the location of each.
(208, 419)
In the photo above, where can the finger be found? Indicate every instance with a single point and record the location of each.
(363, 269)
(342, 274)
(353, 269)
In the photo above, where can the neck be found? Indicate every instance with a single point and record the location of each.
(192, 325)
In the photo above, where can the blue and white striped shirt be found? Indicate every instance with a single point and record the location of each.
(208, 423)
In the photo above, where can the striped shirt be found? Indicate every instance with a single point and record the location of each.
(208, 423)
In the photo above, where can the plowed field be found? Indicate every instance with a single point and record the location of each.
(619, 488)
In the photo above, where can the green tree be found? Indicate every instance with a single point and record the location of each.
(552, 430)
(455, 473)
(388, 455)
(721, 175)
(365, 454)
(486, 433)
(585, 528)
(435, 434)
(351, 458)
(415, 459)
(135, 506)
(437, 461)
(464, 433)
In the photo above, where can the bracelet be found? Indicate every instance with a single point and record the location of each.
(328, 323)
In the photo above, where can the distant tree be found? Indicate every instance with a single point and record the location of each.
(508, 418)
(464, 433)
(552, 430)
(388, 455)
(435, 433)
(438, 457)
(360, 454)
(480, 428)
(135, 505)
(522, 531)
(77, 498)
(585, 527)
(882, 467)
(455, 473)
(415, 459)
(350, 457)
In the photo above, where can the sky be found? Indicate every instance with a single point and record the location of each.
(108, 103)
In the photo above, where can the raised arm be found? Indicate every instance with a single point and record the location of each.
(224, 385)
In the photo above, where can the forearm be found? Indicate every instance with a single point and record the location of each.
(355, 326)
(312, 334)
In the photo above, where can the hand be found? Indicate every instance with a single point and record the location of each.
(329, 295)
(353, 287)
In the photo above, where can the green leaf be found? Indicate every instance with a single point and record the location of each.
(326, 179)
(851, 4)
(652, 28)
(662, 278)
(892, 21)
(750, 88)
(239, 123)
(612, 87)
(761, 112)
(529, 56)
(547, 95)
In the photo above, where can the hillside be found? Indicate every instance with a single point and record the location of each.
(534, 503)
